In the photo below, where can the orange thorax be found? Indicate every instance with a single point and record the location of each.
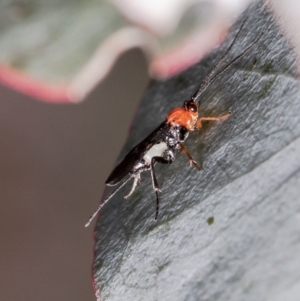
(184, 118)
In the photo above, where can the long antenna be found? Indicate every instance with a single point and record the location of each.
(230, 63)
(105, 201)
(210, 78)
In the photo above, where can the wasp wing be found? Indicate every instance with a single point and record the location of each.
(136, 154)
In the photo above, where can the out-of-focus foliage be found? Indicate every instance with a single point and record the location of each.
(75, 42)
(52, 40)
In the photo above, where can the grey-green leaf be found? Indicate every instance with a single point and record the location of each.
(249, 185)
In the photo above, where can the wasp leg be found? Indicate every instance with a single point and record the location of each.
(200, 119)
(192, 161)
(153, 176)
(154, 180)
(137, 179)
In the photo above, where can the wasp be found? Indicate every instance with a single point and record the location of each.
(167, 139)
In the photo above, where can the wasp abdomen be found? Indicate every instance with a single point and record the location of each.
(156, 150)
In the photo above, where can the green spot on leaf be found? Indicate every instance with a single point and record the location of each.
(267, 67)
(210, 220)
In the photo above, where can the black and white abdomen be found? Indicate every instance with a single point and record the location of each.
(157, 150)
(161, 150)
(166, 149)
(176, 135)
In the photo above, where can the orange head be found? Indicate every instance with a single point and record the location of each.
(186, 116)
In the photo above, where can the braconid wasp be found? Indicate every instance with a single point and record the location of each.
(163, 143)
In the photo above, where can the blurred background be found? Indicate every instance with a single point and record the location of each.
(54, 160)
(55, 155)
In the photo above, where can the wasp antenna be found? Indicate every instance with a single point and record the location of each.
(232, 62)
(105, 201)
(207, 80)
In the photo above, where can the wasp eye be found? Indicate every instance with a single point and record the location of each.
(190, 106)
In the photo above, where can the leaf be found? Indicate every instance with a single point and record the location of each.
(231, 231)
(59, 51)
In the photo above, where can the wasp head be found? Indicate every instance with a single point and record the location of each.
(191, 106)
